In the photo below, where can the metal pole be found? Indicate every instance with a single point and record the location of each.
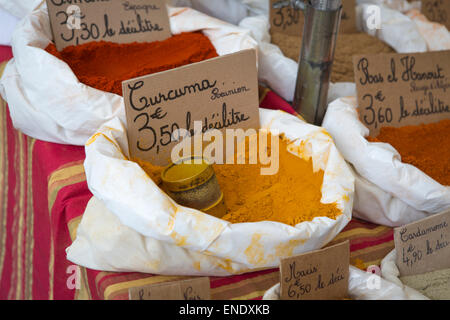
(322, 20)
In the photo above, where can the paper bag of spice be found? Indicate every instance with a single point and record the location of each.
(391, 273)
(132, 225)
(280, 72)
(388, 191)
(20, 8)
(436, 35)
(48, 102)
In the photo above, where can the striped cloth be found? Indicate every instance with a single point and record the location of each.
(43, 194)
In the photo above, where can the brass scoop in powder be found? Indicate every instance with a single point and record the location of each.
(194, 185)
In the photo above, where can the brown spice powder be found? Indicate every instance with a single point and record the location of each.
(347, 46)
(434, 285)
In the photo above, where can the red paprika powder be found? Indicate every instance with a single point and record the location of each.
(426, 147)
(104, 65)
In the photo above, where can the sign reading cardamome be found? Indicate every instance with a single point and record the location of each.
(423, 246)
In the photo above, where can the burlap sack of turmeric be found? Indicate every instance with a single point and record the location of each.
(361, 287)
(48, 102)
(387, 191)
(131, 225)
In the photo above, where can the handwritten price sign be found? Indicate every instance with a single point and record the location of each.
(402, 89)
(220, 93)
(290, 20)
(321, 274)
(423, 246)
(437, 11)
(191, 289)
(77, 22)
(286, 20)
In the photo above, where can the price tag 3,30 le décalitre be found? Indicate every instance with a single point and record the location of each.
(78, 22)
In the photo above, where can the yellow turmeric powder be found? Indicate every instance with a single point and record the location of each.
(291, 196)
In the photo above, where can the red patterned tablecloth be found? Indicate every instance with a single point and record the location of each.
(43, 194)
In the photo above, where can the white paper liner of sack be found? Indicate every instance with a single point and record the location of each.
(131, 225)
(362, 286)
(436, 35)
(20, 8)
(387, 191)
(232, 11)
(48, 102)
(391, 273)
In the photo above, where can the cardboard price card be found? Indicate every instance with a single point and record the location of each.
(348, 17)
(290, 21)
(287, 20)
(423, 246)
(437, 11)
(317, 275)
(397, 90)
(126, 21)
(220, 93)
(192, 289)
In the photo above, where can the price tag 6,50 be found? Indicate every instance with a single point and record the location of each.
(77, 22)
(317, 275)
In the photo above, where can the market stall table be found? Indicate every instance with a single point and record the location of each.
(43, 194)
